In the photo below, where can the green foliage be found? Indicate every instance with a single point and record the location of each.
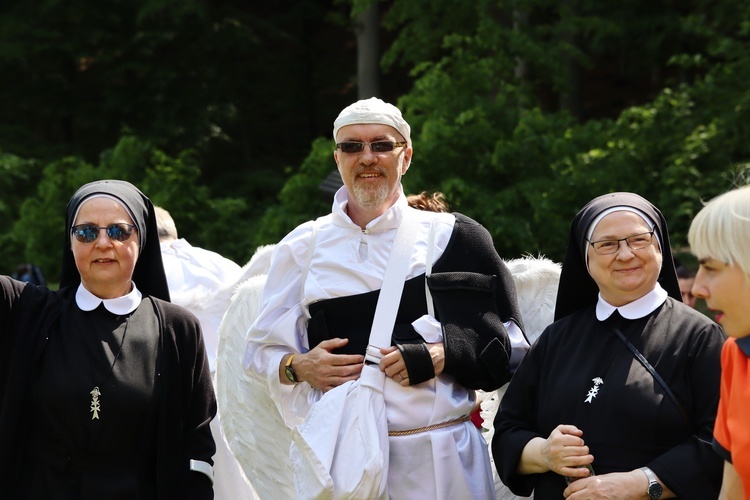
(300, 199)
(17, 177)
(523, 171)
(224, 99)
(171, 182)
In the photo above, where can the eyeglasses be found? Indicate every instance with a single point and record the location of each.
(87, 233)
(375, 147)
(636, 242)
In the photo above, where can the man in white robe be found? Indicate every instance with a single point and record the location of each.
(304, 341)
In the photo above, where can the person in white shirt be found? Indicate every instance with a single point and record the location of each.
(195, 274)
(319, 300)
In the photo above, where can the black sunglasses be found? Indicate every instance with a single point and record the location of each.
(375, 147)
(87, 233)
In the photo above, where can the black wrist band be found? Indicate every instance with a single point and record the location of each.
(418, 362)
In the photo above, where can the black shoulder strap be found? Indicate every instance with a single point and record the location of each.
(654, 374)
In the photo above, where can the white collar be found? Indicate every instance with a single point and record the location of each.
(126, 304)
(633, 310)
(389, 220)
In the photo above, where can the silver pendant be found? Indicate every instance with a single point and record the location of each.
(95, 403)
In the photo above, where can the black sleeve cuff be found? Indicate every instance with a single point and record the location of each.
(418, 362)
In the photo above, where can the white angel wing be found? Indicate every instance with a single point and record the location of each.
(259, 263)
(536, 282)
(253, 428)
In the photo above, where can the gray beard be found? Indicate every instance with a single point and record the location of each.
(371, 198)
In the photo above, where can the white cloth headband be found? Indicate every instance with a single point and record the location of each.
(372, 111)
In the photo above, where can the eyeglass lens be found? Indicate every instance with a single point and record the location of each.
(86, 233)
(375, 147)
(636, 242)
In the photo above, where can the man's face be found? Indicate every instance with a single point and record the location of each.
(372, 179)
(686, 289)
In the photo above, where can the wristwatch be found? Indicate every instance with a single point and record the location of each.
(654, 488)
(289, 371)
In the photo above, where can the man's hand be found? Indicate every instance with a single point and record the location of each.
(392, 362)
(321, 368)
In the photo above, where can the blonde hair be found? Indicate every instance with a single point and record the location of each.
(721, 230)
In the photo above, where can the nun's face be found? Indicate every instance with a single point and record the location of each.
(627, 274)
(106, 265)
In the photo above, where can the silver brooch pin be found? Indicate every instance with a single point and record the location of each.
(95, 405)
(594, 391)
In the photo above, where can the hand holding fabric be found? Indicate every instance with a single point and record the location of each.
(324, 370)
(411, 364)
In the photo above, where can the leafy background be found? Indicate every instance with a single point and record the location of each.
(222, 111)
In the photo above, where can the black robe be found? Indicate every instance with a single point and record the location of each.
(31, 316)
(628, 422)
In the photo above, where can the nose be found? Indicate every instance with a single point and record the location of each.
(699, 288)
(624, 252)
(367, 156)
(103, 240)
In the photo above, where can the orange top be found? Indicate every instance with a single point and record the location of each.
(732, 428)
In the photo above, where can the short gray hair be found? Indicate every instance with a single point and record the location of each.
(165, 225)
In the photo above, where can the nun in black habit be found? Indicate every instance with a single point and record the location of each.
(583, 416)
(105, 390)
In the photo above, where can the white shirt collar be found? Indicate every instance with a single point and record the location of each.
(389, 220)
(633, 310)
(126, 304)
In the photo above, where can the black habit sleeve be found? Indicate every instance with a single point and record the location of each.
(188, 407)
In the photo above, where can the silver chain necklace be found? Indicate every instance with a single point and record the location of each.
(96, 392)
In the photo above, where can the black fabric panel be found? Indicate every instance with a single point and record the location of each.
(351, 317)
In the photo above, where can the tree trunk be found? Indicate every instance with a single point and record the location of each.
(570, 98)
(368, 52)
(520, 23)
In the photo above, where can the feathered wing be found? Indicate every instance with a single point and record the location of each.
(536, 282)
(259, 263)
(209, 305)
(253, 428)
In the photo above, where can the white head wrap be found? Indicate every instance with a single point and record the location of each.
(372, 111)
